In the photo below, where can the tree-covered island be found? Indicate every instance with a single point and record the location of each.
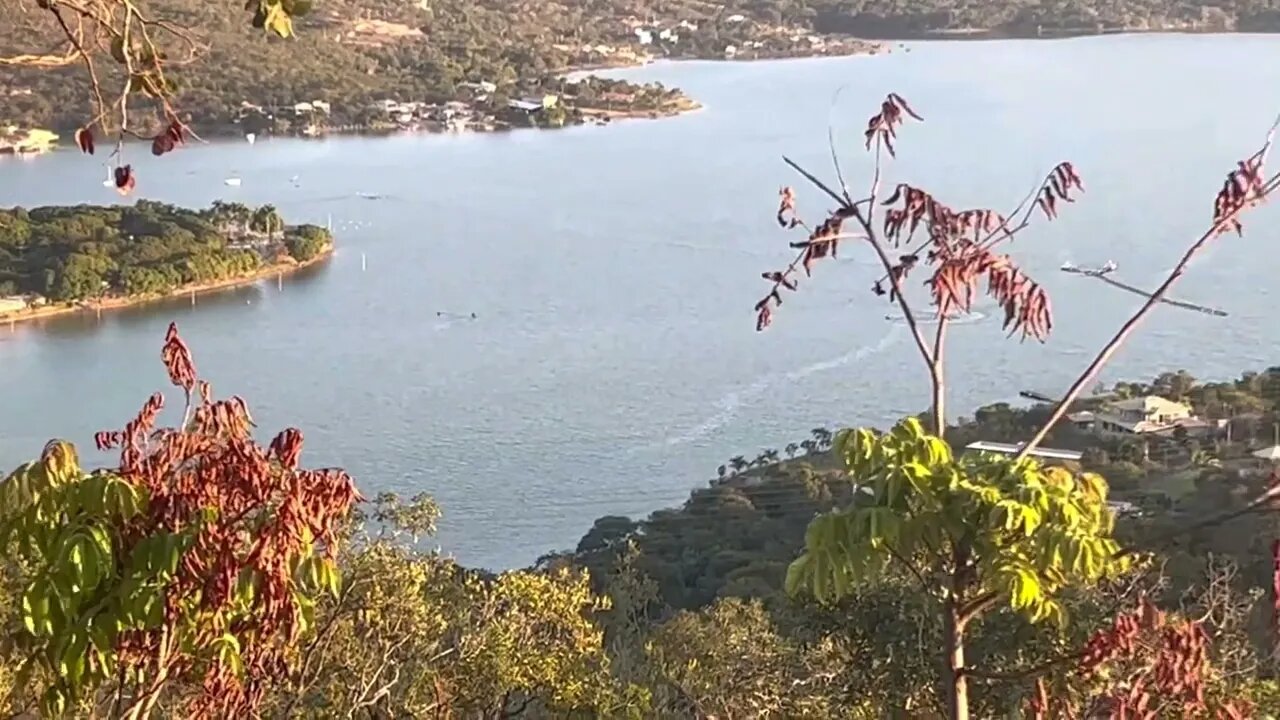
(57, 259)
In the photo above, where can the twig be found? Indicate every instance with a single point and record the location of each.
(831, 145)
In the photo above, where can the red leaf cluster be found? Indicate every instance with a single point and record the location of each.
(944, 225)
(1153, 660)
(884, 124)
(125, 179)
(1244, 187)
(787, 208)
(824, 241)
(169, 140)
(960, 250)
(176, 357)
(1025, 303)
(254, 512)
(1061, 182)
(84, 140)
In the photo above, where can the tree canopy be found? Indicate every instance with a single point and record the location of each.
(69, 254)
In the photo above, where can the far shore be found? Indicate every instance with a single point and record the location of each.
(863, 45)
(284, 267)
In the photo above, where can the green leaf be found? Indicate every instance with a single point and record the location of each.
(277, 20)
(60, 462)
(796, 573)
(35, 608)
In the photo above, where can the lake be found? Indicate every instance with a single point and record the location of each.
(613, 362)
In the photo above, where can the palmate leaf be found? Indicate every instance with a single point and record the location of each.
(1031, 530)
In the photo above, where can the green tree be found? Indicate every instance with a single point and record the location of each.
(977, 532)
(307, 242)
(267, 220)
(412, 634)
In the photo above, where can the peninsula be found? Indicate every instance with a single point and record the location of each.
(59, 260)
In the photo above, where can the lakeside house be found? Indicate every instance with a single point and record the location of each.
(1149, 415)
(15, 141)
(532, 105)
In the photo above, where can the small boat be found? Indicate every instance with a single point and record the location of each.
(250, 137)
(232, 181)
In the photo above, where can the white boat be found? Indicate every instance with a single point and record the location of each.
(250, 137)
(232, 181)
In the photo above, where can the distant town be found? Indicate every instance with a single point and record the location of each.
(549, 91)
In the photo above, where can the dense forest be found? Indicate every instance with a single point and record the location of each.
(80, 253)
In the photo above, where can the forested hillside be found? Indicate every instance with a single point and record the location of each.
(351, 53)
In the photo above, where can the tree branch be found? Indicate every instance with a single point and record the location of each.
(924, 586)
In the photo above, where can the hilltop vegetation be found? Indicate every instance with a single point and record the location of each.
(72, 254)
(353, 53)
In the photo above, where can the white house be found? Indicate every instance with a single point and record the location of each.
(12, 304)
(1140, 416)
(644, 37)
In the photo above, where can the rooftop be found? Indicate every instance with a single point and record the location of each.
(1007, 449)
(1150, 404)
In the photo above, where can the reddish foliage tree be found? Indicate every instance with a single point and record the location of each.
(259, 515)
(1146, 664)
(959, 247)
(195, 563)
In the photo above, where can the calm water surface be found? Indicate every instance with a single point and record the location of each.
(614, 363)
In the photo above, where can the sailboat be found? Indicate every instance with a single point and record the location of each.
(110, 181)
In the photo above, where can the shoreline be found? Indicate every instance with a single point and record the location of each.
(54, 311)
(860, 46)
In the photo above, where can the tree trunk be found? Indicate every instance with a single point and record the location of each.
(957, 689)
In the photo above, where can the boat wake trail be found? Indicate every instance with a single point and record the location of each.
(730, 404)
(969, 318)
